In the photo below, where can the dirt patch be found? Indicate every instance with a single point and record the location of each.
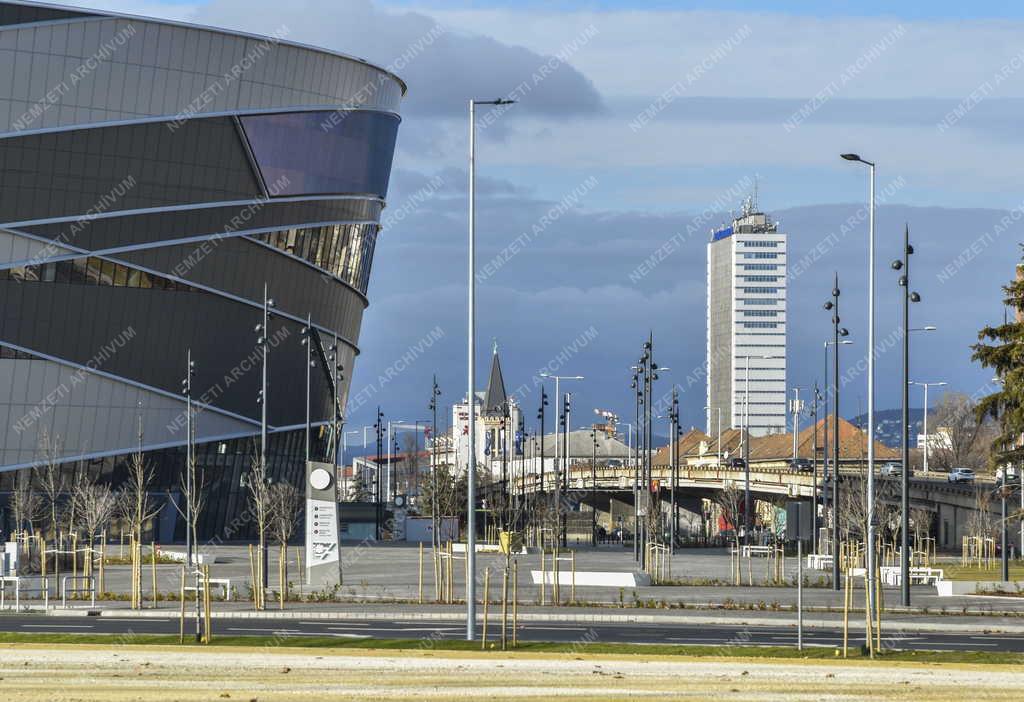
(122, 673)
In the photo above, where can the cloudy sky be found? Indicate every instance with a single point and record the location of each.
(639, 126)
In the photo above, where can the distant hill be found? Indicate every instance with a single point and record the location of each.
(887, 425)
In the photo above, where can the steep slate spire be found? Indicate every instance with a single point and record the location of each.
(495, 399)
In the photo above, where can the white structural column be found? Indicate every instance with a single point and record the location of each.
(871, 376)
(471, 392)
(471, 379)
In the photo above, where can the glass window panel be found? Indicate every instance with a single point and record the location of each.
(134, 278)
(296, 155)
(120, 276)
(107, 272)
(64, 269)
(48, 274)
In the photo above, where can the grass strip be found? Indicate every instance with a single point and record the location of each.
(614, 649)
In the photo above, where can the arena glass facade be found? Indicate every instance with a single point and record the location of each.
(154, 176)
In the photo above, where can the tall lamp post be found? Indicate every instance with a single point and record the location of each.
(815, 401)
(908, 297)
(593, 490)
(638, 398)
(837, 332)
(471, 378)
(307, 342)
(540, 418)
(186, 389)
(674, 431)
(263, 341)
(378, 427)
(871, 374)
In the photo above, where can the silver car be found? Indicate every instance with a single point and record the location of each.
(960, 475)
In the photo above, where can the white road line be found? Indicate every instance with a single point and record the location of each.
(273, 631)
(57, 626)
(338, 624)
(135, 619)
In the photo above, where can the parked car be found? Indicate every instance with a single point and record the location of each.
(737, 463)
(894, 470)
(800, 465)
(960, 475)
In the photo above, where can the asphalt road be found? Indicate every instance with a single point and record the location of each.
(568, 632)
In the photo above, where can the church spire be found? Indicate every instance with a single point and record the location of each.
(495, 398)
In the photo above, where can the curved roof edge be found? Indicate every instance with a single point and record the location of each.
(208, 28)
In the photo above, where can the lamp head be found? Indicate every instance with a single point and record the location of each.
(914, 297)
(897, 265)
(851, 157)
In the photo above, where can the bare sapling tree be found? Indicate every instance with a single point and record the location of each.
(259, 501)
(193, 497)
(730, 504)
(27, 505)
(94, 505)
(980, 522)
(50, 479)
(136, 508)
(285, 507)
(506, 512)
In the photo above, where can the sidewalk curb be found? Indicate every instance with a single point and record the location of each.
(569, 618)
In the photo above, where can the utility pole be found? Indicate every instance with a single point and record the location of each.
(190, 371)
(593, 490)
(263, 341)
(837, 331)
(377, 494)
(908, 297)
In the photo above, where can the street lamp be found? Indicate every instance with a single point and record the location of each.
(926, 386)
(540, 418)
(593, 490)
(186, 389)
(378, 427)
(263, 341)
(871, 374)
(471, 380)
(837, 332)
(908, 297)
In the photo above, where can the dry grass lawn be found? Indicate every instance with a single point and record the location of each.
(121, 673)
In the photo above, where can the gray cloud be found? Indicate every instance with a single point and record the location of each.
(442, 74)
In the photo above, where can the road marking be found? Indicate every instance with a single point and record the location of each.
(273, 631)
(965, 643)
(340, 624)
(134, 619)
(57, 626)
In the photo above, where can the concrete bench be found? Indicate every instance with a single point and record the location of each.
(592, 578)
(224, 583)
(819, 561)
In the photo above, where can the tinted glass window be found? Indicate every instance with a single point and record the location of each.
(323, 153)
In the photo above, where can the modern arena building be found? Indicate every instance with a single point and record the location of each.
(154, 178)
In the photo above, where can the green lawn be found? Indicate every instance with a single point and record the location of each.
(957, 572)
(326, 642)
